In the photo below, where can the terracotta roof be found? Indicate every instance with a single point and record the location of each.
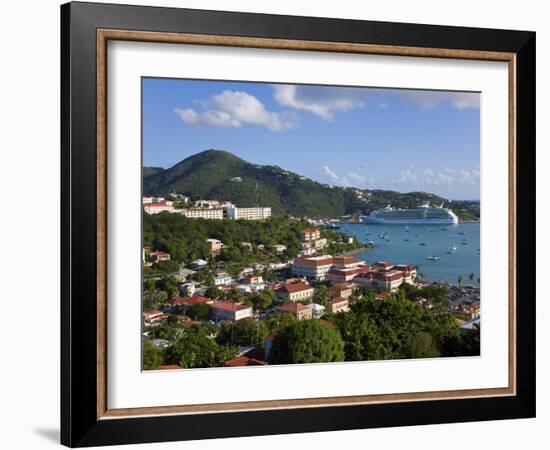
(188, 300)
(170, 367)
(243, 361)
(148, 205)
(292, 308)
(346, 260)
(310, 230)
(341, 286)
(310, 262)
(388, 276)
(384, 264)
(335, 300)
(229, 306)
(296, 287)
(255, 353)
(349, 271)
(158, 253)
(152, 314)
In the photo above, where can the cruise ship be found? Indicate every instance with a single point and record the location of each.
(423, 214)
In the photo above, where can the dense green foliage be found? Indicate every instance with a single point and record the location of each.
(185, 239)
(211, 174)
(307, 341)
(398, 328)
(148, 171)
(199, 311)
(243, 333)
(193, 347)
(420, 346)
(152, 356)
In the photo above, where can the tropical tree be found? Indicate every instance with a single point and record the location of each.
(244, 332)
(213, 292)
(194, 348)
(199, 311)
(263, 300)
(322, 295)
(421, 345)
(152, 356)
(459, 280)
(306, 341)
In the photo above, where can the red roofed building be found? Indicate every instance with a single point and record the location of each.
(382, 265)
(229, 310)
(342, 290)
(244, 360)
(313, 267)
(346, 262)
(342, 275)
(295, 292)
(170, 367)
(159, 256)
(409, 272)
(338, 304)
(301, 312)
(151, 317)
(473, 309)
(388, 281)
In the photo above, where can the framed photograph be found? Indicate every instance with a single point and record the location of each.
(277, 224)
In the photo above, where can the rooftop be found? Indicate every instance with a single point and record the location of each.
(314, 261)
(188, 300)
(293, 308)
(228, 305)
(346, 260)
(294, 287)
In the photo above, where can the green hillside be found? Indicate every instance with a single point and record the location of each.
(217, 174)
(148, 171)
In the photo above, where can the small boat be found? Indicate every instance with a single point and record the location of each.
(406, 239)
(461, 232)
(444, 228)
(451, 250)
(407, 230)
(371, 243)
(433, 258)
(423, 244)
(417, 234)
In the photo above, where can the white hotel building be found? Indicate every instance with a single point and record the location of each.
(254, 213)
(203, 213)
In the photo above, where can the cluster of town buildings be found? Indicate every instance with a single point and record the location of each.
(204, 209)
(295, 292)
(342, 274)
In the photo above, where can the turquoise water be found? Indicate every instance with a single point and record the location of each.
(438, 239)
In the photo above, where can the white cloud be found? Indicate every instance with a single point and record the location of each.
(329, 173)
(318, 100)
(234, 109)
(355, 177)
(445, 177)
(432, 99)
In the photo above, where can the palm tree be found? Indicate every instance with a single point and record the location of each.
(471, 276)
(459, 279)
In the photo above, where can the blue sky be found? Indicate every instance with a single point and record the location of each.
(368, 138)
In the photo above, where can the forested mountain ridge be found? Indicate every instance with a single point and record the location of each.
(217, 174)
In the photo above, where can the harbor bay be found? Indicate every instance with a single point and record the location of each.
(456, 247)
